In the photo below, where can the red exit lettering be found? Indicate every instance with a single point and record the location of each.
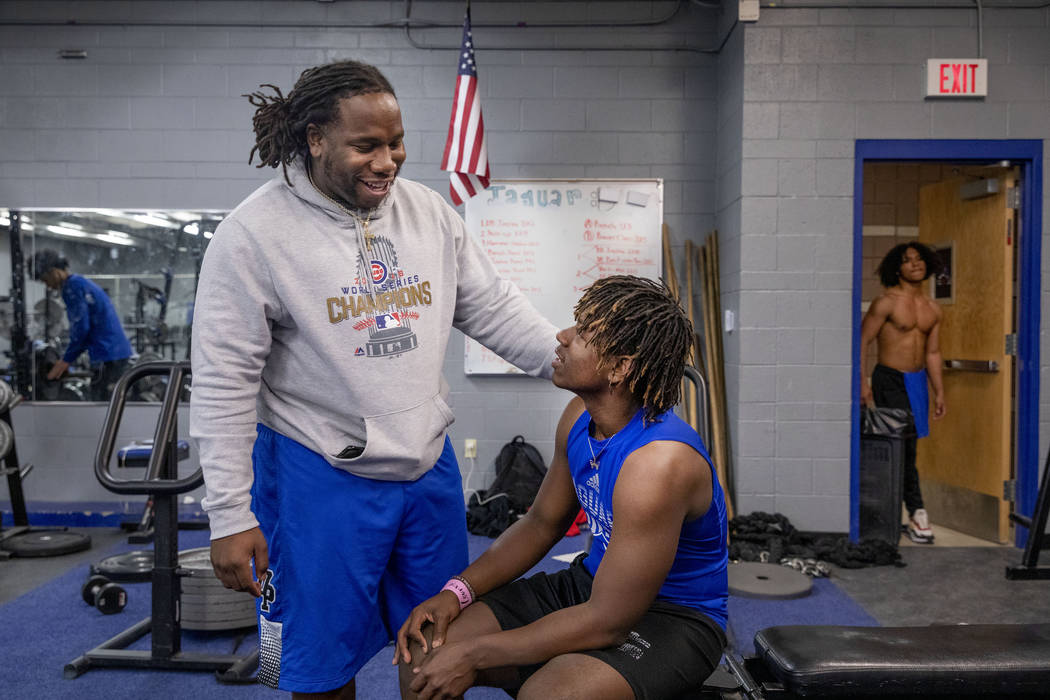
(958, 78)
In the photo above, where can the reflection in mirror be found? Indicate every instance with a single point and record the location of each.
(145, 263)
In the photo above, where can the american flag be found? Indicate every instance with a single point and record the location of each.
(466, 156)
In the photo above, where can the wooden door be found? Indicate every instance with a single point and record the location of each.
(968, 456)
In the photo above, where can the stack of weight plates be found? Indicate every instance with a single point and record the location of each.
(206, 603)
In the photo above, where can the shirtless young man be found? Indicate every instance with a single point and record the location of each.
(907, 324)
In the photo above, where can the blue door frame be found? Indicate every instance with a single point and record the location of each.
(1028, 155)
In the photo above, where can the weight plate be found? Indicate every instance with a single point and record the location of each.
(222, 616)
(207, 590)
(216, 626)
(7, 437)
(769, 581)
(129, 567)
(218, 612)
(206, 603)
(45, 543)
(197, 559)
(227, 599)
(217, 601)
(7, 396)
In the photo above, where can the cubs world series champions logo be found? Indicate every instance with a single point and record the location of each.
(391, 333)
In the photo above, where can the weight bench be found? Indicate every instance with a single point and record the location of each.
(939, 660)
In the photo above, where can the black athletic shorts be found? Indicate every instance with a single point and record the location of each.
(672, 649)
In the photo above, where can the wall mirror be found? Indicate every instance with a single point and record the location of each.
(146, 262)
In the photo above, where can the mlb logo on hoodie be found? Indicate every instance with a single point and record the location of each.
(384, 321)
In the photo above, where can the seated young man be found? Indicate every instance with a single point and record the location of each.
(643, 614)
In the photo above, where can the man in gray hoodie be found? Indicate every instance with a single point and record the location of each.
(325, 304)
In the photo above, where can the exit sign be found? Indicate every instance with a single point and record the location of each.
(957, 77)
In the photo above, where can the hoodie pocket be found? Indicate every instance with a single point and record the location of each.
(404, 443)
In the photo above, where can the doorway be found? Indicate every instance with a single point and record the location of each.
(981, 461)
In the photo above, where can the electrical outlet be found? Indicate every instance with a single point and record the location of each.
(470, 448)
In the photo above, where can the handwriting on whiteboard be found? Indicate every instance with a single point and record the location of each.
(532, 196)
(554, 238)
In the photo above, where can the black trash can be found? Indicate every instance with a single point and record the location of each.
(881, 486)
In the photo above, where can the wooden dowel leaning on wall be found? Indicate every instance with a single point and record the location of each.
(716, 377)
(689, 393)
(670, 275)
(726, 444)
(671, 278)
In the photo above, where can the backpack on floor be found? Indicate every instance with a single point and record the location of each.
(519, 472)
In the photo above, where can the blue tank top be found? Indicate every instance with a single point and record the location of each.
(698, 577)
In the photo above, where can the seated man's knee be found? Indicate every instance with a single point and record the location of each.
(415, 649)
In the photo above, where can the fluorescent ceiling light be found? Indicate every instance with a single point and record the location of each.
(66, 231)
(117, 240)
(25, 225)
(154, 220)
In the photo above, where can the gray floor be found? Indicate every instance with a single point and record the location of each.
(948, 585)
(21, 575)
(939, 585)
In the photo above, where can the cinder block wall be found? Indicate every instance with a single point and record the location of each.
(154, 118)
(814, 81)
(757, 139)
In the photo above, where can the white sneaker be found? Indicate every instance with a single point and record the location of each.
(919, 527)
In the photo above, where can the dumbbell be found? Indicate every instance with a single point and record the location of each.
(99, 592)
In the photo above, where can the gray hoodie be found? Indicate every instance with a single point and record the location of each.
(337, 340)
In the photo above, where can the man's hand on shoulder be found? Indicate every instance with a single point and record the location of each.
(231, 559)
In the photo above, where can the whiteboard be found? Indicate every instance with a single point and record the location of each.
(553, 238)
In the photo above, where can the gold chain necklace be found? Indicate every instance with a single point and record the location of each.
(594, 457)
(361, 223)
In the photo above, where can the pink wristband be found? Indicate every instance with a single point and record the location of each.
(461, 590)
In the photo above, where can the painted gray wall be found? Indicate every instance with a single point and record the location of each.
(154, 118)
(756, 140)
(814, 81)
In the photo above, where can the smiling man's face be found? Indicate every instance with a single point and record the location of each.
(356, 157)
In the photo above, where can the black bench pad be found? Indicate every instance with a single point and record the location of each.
(955, 660)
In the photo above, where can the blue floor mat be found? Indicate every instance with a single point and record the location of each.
(48, 627)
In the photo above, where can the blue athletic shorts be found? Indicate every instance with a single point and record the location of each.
(919, 399)
(349, 559)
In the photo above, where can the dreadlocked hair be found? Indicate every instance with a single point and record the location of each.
(640, 319)
(280, 122)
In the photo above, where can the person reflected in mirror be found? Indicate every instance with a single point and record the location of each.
(94, 325)
(906, 322)
(324, 310)
(643, 613)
